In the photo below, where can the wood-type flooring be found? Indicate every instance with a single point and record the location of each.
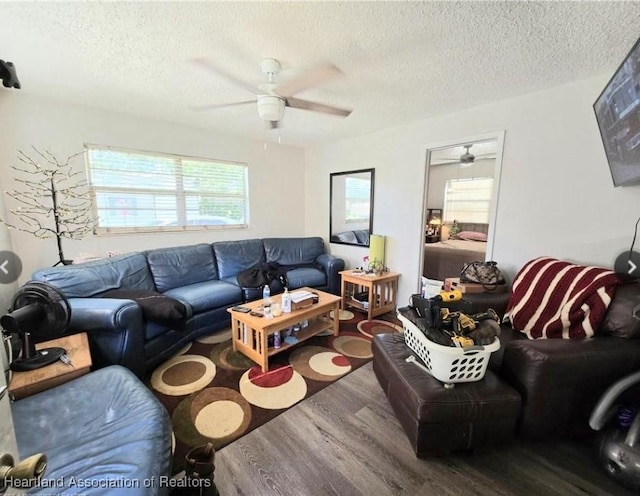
(346, 440)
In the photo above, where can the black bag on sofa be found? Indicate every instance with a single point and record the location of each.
(261, 275)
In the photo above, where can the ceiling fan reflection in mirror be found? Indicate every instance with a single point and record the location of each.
(272, 97)
(468, 158)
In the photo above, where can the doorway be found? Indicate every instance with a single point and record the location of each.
(461, 191)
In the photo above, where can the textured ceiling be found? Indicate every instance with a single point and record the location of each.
(403, 61)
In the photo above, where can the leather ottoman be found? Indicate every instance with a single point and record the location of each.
(440, 420)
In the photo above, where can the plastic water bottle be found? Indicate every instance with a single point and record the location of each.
(286, 301)
(266, 293)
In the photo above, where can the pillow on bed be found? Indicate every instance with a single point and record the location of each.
(472, 236)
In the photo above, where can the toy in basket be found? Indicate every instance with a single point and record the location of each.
(446, 363)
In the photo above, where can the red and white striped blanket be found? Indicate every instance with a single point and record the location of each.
(555, 299)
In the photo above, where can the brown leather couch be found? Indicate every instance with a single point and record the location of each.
(560, 381)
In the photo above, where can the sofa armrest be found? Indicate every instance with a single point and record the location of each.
(115, 330)
(560, 381)
(332, 265)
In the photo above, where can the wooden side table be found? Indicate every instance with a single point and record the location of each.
(25, 384)
(382, 291)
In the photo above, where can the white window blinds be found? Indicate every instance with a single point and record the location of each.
(468, 200)
(136, 191)
(357, 199)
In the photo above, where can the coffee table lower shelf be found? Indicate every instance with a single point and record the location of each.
(315, 327)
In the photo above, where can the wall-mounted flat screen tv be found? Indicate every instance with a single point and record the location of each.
(618, 113)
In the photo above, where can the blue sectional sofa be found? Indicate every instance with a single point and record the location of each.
(202, 277)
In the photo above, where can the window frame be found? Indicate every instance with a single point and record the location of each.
(179, 193)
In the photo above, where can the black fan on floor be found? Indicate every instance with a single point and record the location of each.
(37, 310)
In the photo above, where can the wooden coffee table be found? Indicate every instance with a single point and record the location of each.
(250, 333)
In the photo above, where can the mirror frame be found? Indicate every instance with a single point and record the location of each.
(332, 196)
(497, 177)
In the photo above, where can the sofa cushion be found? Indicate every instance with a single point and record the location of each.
(235, 256)
(345, 237)
(305, 276)
(155, 307)
(292, 251)
(556, 299)
(623, 316)
(362, 235)
(181, 266)
(92, 278)
(207, 295)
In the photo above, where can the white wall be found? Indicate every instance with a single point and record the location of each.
(276, 175)
(556, 195)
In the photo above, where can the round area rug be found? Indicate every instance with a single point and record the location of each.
(372, 327)
(343, 314)
(215, 415)
(280, 387)
(224, 356)
(319, 363)
(352, 345)
(183, 374)
(217, 337)
(183, 350)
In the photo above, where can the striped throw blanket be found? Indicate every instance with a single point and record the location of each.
(555, 299)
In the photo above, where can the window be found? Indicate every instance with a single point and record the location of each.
(468, 200)
(136, 191)
(357, 199)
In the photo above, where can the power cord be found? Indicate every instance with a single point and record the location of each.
(633, 241)
(8, 347)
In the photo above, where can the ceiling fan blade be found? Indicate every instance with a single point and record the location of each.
(220, 105)
(316, 107)
(229, 77)
(312, 77)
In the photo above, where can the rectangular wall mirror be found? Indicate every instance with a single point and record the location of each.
(351, 204)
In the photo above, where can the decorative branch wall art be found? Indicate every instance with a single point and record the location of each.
(53, 200)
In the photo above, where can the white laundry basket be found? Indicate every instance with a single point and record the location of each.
(446, 363)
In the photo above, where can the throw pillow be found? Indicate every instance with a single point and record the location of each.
(555, 299)
(623, 316)
(155, 306)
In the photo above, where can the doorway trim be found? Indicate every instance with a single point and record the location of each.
(498, 136)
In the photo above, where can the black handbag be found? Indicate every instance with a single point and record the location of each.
(485, 273)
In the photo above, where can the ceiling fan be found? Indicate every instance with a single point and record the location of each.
(272, 97)
(468, 158)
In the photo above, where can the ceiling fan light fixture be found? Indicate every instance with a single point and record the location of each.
(271, 108)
